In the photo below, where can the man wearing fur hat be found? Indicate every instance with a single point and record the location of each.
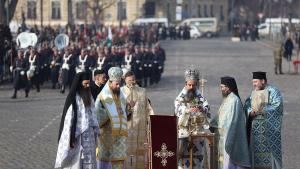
(183, 110)
(111, 111)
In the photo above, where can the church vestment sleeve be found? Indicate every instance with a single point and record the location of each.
(180, 112)
(276, 104)
(232, 124)
(63, 151)
(101, 113)
(149, 108)
(236, 137)
(205, 107)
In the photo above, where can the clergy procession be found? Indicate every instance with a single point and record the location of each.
(114, 129)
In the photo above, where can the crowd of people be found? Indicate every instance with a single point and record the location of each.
(89, 37)
(246, 32)
(35, 66)
(105, 119)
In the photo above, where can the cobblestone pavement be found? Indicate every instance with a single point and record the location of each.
(29, 126)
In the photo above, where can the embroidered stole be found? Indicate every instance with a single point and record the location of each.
(116, 109)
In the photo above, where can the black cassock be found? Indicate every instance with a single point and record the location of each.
(95, 90)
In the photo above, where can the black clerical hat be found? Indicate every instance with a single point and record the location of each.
(259, 75)
(230, 83)
(84, 76)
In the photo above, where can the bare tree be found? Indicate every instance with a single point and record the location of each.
(97, 7)
(7, 11)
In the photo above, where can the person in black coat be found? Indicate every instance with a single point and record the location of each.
(66, 70)
(33, 74)
(288, 49)
(148, 65)
(19, 71)
(137, 65)
(55, 67)
(97, 85)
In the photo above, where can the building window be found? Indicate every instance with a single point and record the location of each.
(212, 10)
(81, 9)
(149, 9)
(186, 11)
(55, 9)
(122, 14)
(199, 10)
(222, 13)
(31, 9)
(205, 11)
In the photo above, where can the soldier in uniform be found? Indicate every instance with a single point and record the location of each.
(108, 58)
(147, 60)
(46, 54)
(156, 66)
(33, 73)
(114, 57)
(121, 54)
(84, 62)
(278, 53)
(137, 64)
(55, 67)
(127, 61)
(19, 71)
(72, 71)
(101, 61)
(162, 55)
(66, 70)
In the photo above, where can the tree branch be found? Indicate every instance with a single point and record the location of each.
(108, 5)
(12, 8)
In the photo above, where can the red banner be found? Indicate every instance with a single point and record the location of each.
(163, 142)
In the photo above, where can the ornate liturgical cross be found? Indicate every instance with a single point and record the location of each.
(164, 154)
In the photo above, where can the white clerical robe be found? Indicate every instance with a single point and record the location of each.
(137, 126)
(83, 155)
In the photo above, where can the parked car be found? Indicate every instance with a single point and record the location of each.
(207, 26)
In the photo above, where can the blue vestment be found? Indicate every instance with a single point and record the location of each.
(265, 138)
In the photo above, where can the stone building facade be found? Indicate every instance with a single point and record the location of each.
(60, 12)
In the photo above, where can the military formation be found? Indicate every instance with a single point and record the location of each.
(33, 67)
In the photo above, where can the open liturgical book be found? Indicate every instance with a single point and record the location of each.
(260, 98)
